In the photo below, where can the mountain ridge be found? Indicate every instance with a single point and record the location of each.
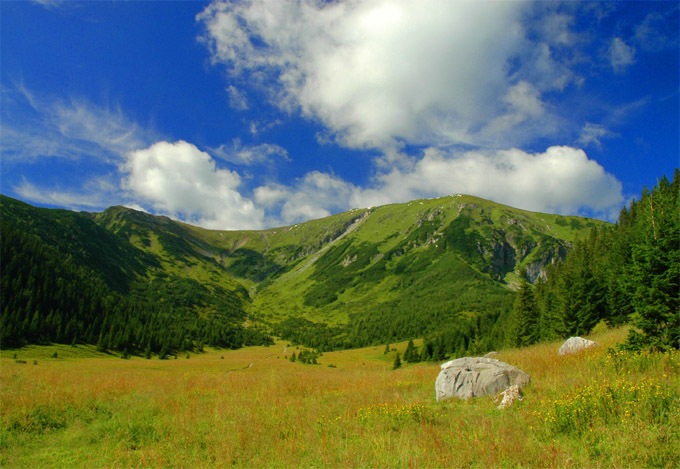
(402, 270)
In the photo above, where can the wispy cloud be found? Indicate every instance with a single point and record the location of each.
(107, 128)
(35, 127)
(95, 194)
(51, 4)
(657, 31)
(593, 134)
(621, 55)
(237, 99)
(249, 155)
(37, 131)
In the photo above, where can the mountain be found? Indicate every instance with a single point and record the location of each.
(361, 277)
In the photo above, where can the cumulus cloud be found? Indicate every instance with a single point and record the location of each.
(184, 182)
(397, 75)
(416, 79)
(381, 73)
(314, 196)
(560, 180)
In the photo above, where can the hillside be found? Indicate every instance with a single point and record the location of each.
(362, 277)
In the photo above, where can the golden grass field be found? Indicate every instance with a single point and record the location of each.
(254, 408)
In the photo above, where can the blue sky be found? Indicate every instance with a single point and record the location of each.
(262, 113)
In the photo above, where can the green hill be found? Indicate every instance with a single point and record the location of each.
(365, 276)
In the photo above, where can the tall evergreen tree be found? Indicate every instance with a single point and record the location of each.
(411, 355)
(526, 315)
(655, 267)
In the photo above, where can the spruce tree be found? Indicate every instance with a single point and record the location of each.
(526, 315)
(397, 362)
(655, 268)
(411, 355)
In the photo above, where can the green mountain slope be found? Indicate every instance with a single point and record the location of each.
(407, 270)
(356, 278)
(67, 279)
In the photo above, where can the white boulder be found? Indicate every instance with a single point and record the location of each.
(575, 345)
(477, 376)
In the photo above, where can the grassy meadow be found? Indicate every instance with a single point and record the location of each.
(65, 406)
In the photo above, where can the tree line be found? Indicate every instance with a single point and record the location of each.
(629, 273)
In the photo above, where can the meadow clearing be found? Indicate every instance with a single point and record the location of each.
(66, 406)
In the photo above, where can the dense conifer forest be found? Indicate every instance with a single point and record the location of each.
(627, 273)
(49, 296)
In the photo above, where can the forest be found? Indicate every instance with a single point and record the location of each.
(49, 297)
(629, 273)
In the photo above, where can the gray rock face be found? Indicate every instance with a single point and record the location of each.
(575, 344)
(477, 376)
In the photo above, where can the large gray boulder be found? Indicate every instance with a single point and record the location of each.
(477, 376)
(575, 345)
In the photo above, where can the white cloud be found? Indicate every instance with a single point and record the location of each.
(560, 180)
(35, 127)
(621, 55)
(91, 196)
(658, 30)
(184, 182)
(107, 128)
(237, 99)
(383, 72)
(50, 4)
(314, 196)
(399, 74)
(248, 155)
(593, 134)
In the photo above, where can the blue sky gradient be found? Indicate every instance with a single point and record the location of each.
(254, 114)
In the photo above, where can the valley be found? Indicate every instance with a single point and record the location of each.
(358, 278)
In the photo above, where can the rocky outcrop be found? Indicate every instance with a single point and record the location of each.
(575, 345)
(477, 376)
(553, 251)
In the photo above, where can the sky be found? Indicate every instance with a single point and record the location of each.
(264, 113)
